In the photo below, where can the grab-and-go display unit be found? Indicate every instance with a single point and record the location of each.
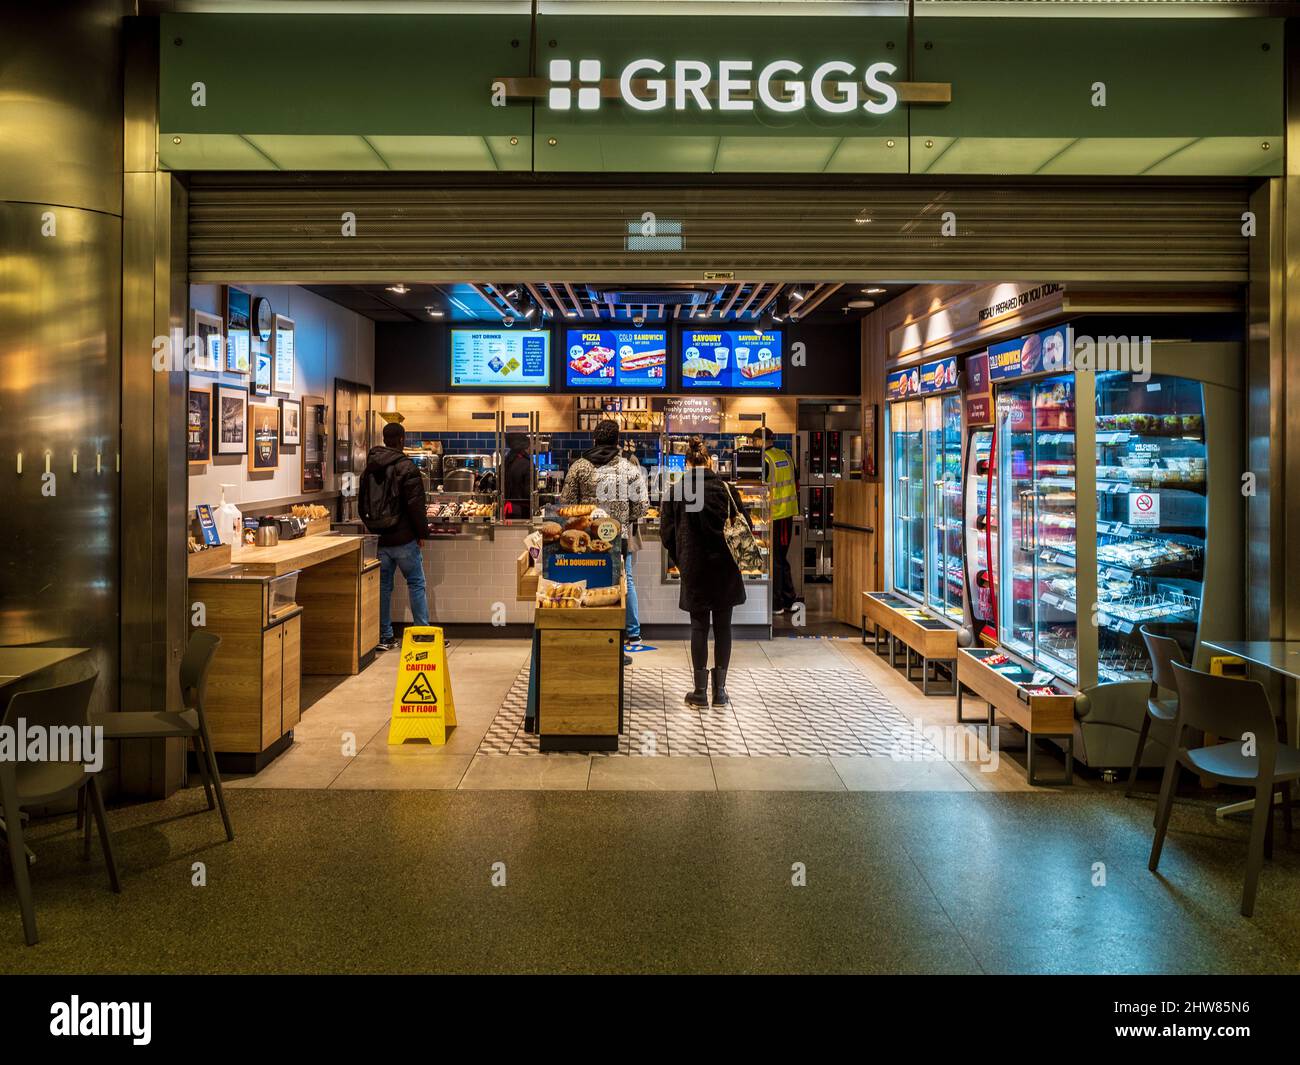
(981, 533)
(1104, 457)
(925, 501)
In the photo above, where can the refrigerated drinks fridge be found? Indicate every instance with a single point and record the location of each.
(907, 510)
(945, 579)
(925, 504)
(981, 534)
(1104, 522)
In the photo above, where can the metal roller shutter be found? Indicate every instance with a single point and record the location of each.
(290, 229)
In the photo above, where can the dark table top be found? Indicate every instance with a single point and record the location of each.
(17, 663)
(1281, 656)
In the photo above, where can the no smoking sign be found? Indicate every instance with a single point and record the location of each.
(1144, 508)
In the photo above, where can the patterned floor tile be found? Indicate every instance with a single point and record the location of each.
(773, 713)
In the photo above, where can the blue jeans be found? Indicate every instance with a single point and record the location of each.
(407, 559)
(633, 622)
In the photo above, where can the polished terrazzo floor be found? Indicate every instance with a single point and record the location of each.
(401, 881)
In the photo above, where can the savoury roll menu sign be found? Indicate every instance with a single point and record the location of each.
(616, 358)
(500, 358)
(731, 358)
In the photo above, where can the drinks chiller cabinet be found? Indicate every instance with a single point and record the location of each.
(1103, 500)
(1107, 520)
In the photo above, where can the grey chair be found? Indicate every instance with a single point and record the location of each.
(1228, 706)
(188, 724)
(35, 784)
(1163, 652)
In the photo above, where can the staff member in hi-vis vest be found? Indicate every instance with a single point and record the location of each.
(780, 475)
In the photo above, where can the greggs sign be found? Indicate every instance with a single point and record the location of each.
(784, 86)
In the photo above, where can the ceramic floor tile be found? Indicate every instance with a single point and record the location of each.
(794, 773)
(564, 772)
(652, 774)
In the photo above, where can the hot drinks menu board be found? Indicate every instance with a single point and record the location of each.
(731, 358)
(616, 358)
(500, 358)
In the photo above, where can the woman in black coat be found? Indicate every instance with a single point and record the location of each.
(692, 518)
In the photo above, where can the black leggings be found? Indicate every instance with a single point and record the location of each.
(721, 638)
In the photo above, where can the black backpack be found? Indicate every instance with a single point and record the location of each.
(380, 503)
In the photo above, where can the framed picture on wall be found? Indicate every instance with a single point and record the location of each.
(239, 337)
(290, 422)
(209, 351)
(869, 440)
(198, 426)
(282, 349)
(315, 442)
(264, 435)
(230, 425)
(261, 373)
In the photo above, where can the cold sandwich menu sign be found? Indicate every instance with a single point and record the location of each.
(616, 358)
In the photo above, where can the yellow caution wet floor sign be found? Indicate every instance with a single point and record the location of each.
(423, 707)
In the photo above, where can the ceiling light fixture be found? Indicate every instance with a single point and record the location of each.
(433, 312)
(795, 294)
(399, 289)
(876, 291)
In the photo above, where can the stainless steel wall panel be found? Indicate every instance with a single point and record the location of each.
(61, 104)
(60, 303)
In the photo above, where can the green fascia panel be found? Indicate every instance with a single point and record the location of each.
(210, 151)
(346, 75)
(869, 155)
(754, 155)
(748, 141)
(1016, 79)
(1123, 156)
(984, 155)
(1223, 155)
(329, 153)
(622, 153)
(454, 153)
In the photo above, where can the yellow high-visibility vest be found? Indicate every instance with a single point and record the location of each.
(780, 476)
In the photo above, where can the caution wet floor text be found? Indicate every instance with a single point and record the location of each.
(423, 707)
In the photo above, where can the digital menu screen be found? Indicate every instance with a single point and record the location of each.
(616, 358)
(500, 358)
(731, 358)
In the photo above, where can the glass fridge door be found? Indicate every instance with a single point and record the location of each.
(1151, 517)
(907, 459)
(1015, 428)
(1054, 527)
(935, 524)
(1037, 616)
(954, 583)
(979, 533)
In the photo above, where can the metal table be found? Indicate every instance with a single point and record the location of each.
(1277, 656)
(19, 663)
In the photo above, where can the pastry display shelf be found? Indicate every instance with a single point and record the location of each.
(921, 632)
(1007, 686)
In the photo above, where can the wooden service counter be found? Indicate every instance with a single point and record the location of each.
(303, 606)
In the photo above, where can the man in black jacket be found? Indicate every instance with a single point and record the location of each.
(399, 544)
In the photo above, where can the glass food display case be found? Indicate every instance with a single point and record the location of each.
(1087, 552)
(1037, 615)
(945, 580)
(925, 500)
(907, 498)
(1151, 516)
(981, 532)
